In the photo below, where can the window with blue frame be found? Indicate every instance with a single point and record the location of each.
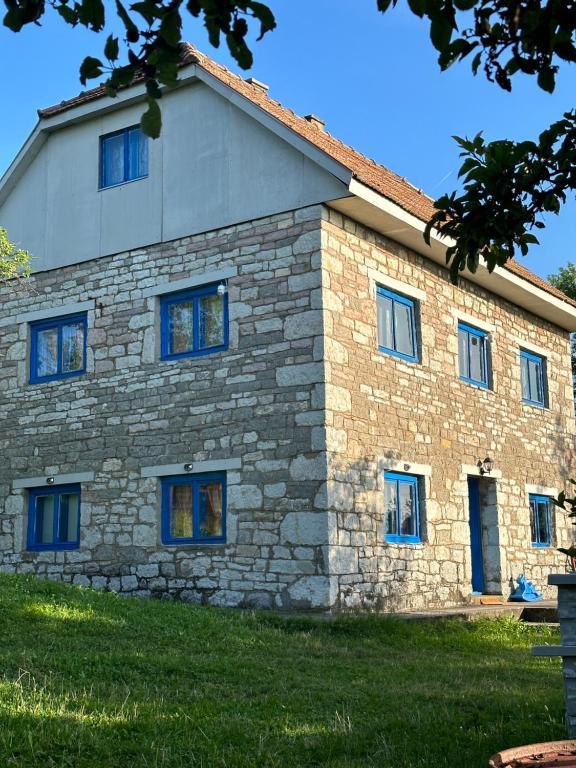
(58, 348)
(473, 355)
(402, 508)
(540, 521)
(123, 157)
(193, 322)
(194, 509)
(533, 378)
(396, 324)
(54, 517)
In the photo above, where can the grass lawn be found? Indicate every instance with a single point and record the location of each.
(91, 679)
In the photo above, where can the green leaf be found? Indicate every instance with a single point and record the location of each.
(418, 7)
(171, 28)
(132, 33)
(91, 14)
(111, 49)
(89, 69)
(440, 32)
(151, 120)
(546, 79)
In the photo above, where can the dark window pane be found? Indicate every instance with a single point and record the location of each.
(407, 509)
(181, 326)
(138, 154)
(403, 325)
(211, 318)
(385, 322)
(535, 381)
(47, 352)
(73, 347)
(533, 528)
(524, 378)
(44, 522)
(180, 511)
(543, 537)
(477, 368)
(113, 160)
(390, 502)
(210, 512)
(463, 353)
(68, 517)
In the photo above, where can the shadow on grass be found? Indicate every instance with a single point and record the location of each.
(105, 681)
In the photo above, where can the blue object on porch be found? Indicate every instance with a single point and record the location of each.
(526, 591)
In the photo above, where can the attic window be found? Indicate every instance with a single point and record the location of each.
(123, 157)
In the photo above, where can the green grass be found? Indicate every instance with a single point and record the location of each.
(91, 679)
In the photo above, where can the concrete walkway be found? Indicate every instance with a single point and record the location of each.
(538, 612)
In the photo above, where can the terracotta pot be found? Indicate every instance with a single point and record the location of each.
(549, 754)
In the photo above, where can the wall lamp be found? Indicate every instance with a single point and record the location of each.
(50, 480)
(188, 467)
(486, 466)
(222, 289)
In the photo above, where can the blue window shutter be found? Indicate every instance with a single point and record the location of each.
(58, 348)
(473, 357)
(396, 320)
(402, 508)
(540, 521)
(54, 517)
(123, 157)
(193, 322)
(201, 514)
(533, 378)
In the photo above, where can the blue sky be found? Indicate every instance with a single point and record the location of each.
(372, 78)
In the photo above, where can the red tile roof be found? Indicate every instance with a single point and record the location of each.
(365, 170)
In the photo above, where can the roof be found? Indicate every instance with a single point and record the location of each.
(365, 170)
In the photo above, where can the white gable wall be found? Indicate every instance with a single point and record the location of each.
(213, 166)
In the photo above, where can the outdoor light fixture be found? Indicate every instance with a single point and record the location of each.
(485, 466)
(188, 467)
(222, 289)
(50, 481)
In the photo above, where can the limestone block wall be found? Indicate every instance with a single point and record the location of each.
(259, 404)
(383, 412)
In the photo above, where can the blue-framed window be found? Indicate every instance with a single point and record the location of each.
(54, 517)
(533, 378)
(58, 348)
(193, 322)
(396, 324)
(473, 355)
(123, 157)
(540, 521)
(194, 509)
(402, 508)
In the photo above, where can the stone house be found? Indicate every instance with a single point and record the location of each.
(239, 376)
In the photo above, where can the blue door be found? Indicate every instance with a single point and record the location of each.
(476, 535)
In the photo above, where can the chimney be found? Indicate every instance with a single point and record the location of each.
(257, 84)
(316, 121)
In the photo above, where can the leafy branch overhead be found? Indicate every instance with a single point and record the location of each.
(507, 186)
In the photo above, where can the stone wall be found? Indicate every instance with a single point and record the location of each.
(302, 409)
(257, 402)
(383, 412)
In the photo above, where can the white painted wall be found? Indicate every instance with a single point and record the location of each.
(213, 166)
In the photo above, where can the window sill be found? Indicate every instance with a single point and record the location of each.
(188, 355)
(57, 377)
(194, 542)
(398, 355)
(533, 404)
(540, 546)
(122, 183)
(411, 540)
(478, 384)
(51, 547)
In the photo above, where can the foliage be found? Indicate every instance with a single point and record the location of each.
(90, 679)
(507, 186)
(568, 504)
(14, 262)
(565, 280)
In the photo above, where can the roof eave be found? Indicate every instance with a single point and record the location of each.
(379, 213)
